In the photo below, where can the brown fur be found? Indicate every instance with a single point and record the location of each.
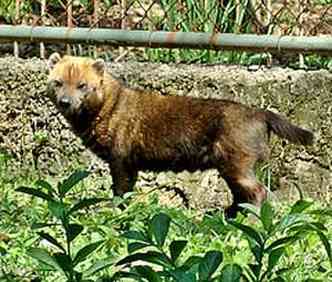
(134, 130)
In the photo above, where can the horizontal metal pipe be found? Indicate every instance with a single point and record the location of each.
(154, 39)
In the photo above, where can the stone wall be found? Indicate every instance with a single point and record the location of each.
(38, 138)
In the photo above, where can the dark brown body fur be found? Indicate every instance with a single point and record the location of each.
(134, 130)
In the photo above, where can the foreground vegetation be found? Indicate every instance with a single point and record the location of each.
(71, 231)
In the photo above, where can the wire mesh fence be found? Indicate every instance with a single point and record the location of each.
(275, 17)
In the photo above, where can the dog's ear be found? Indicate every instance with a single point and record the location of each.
(53, 60)
(99, 66)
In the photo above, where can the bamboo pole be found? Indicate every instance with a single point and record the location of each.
(194, 40)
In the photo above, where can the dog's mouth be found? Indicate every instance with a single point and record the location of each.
(70, 111)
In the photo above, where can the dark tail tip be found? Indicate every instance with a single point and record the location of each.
(284, 129)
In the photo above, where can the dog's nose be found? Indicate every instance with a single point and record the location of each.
(64, 102)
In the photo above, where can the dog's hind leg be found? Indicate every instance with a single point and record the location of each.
(244, 190)
(240, 176)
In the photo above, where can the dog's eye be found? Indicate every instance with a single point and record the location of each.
(57, 83)
(82, 86)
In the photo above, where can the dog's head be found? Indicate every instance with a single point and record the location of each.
(75, 84)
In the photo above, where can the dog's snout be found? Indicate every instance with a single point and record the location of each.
(65, 102)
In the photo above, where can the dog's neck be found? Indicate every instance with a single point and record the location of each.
(93, 125)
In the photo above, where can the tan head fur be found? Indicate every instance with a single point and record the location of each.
(76, 83)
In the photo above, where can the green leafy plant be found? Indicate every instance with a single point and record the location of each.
(269, 243)
(288, 243)
(166, 257)
(62, 219)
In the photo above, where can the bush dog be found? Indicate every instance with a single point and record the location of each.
(135, 130)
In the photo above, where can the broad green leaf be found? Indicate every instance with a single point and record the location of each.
(318, 226)
(190, 262)
(289, 221)
(57, 209)
(35, 192)
(159, 227)
(39, 225)
(274, 257)
(249, 231)
(267, 215)
(44, 184)
(71, 181)
(309, 227)
(209, 264)
(148, 273)
(85, 251)
(176, 248)
(85, 203)
(231, 273)
(136, 235)
(281, 242)
(124, 274)
(44, 257)
(183, 276)
(150, 256)
(50, 239)
(300, 206)
(250, 208)
(300, 230)
(135, 246)
(73, 230)
(255, 249)
(99, 266)
(64, 261)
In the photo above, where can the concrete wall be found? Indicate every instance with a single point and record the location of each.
(39, 139)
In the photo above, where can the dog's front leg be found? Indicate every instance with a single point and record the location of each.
(124, 179)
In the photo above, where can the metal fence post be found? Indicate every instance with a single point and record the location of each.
(95, 22)
(42, 14)
(17, 18)
(69, 9)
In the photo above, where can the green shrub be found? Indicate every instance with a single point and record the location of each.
(63, 212)
(168, 244)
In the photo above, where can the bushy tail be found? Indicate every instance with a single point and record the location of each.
(284, 129)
